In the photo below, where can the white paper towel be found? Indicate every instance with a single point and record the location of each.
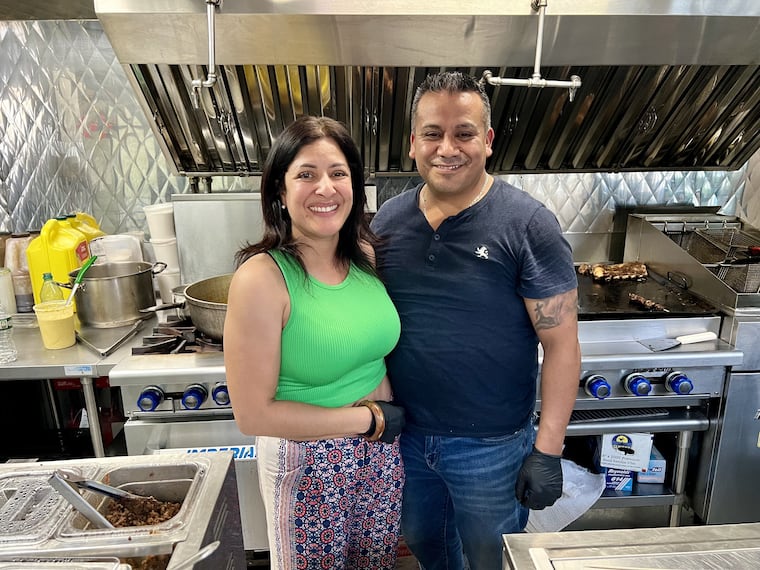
(580, 490)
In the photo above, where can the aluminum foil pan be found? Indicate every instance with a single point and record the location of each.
(64, 564)
(36, 520)
(30, 509)
(178, 483)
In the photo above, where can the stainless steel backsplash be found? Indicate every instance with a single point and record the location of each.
(73, 138)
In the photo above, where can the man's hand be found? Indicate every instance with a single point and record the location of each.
(387, 420)
(539, 483)
(394, 420)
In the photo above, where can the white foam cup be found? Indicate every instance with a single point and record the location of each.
(160, 219)
(166, 250)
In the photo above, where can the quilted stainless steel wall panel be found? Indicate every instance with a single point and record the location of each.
(749, 207)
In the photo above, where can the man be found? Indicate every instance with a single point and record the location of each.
(480, 274)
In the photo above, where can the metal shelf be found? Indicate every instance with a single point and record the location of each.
(642, 495)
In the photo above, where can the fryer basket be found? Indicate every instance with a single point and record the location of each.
(743, 278)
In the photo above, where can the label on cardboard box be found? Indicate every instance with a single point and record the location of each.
(628, 451)
(655, 471)
(618, 479)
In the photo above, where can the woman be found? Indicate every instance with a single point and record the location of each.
(307, 328)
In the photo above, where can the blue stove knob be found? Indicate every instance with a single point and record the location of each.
(221, 395)
(678, 383)
(150, 398)
(637, 385)
(597, 386)
(194, 396)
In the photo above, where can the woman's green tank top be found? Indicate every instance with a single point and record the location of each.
(336, 339)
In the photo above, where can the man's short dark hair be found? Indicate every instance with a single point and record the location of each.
(452, 82)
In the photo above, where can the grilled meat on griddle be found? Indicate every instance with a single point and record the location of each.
(630, 270)
(646, 303)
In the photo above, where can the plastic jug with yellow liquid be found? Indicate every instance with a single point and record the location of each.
(59, 249)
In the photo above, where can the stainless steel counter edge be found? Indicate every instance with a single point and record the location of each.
(610, 340)
(631, 354)
(539, 550)
(185, 367)
(35, 362)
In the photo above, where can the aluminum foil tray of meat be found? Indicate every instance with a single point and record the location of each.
(167, 490)
(628, 271)
(198, 491)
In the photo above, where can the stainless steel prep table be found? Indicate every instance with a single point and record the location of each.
(735, 546)
(35, 362)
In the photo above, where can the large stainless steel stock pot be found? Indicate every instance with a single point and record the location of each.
(112, 294)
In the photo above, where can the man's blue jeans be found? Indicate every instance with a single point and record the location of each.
(459, 497)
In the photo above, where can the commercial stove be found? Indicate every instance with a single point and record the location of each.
(715, 257)
(626, 387)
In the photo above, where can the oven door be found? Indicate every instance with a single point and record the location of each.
(145, 436)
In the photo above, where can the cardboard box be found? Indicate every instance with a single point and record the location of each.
(619, 480)
(655, 471)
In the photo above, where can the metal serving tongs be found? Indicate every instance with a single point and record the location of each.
(68, 486)
(98, 487)
(58, 481)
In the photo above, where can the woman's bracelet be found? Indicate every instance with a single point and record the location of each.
(378, 420)
(372, 426)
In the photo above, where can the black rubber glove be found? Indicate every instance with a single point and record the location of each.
(394, 420)
(539, 483)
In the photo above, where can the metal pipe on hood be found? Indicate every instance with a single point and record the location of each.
(536, 80)
(197, 84)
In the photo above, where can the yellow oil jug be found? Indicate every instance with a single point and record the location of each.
(59, 249)
(86, 224)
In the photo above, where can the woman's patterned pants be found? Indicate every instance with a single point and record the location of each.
(332, 503)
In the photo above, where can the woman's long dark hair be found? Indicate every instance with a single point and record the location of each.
(278, 230)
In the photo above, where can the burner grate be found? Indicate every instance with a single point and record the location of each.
(175, 337)
(616, 414)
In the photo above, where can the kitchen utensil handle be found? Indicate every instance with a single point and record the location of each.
(107, 490)
(72, 496)
(78, 278)
(698, 337)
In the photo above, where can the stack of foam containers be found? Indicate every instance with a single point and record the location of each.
(163, 239)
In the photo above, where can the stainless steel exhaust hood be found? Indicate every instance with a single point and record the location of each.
(666, 85)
